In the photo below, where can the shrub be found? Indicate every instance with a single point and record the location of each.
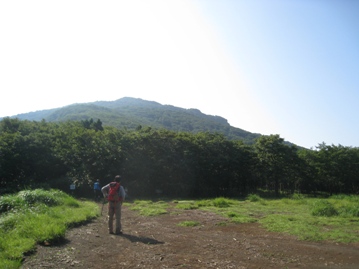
(323, 208)
(31, 197)
(298, 196)
(232, 214)
(221, 202)
(204, 203)
(9, 202)
(253, 198)
(351, 210)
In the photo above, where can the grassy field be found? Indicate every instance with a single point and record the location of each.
(37, 216)
(314, 219)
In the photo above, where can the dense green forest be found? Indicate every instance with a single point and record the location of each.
(175, 164)
(130, 112)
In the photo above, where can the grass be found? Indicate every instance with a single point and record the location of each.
(149, 208)
(188, 223)
(315, 219)
(37, 216)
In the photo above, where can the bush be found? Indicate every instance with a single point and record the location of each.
(232, 214)
(204, 203)
(221, 202)
(298, 196)
(323, 208)
(351, 210)
(10, 202)
(253, 198)
(31, 197)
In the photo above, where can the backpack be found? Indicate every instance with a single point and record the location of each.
(114, 192)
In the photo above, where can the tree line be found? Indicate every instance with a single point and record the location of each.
(159, 161)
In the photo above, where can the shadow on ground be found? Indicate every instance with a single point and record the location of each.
(141, 239)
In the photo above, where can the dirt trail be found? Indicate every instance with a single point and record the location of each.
(158, 242)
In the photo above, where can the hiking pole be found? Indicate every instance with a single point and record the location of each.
(103, 203)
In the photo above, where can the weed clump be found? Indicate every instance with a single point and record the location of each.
(221, 202)
(254, 198)
(324, 209)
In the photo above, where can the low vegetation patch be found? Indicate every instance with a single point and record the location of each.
(187, 205)
(37, 216)
(189, 223)
(323, 208)
(335, 218)
(222, 202)
(149, 208)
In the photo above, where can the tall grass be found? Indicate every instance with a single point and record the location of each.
(36, 216)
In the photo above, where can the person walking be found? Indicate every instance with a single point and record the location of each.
(115, 194)
(97, 189)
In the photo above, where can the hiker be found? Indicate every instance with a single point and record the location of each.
(72, 188)
(97, 189)
(115, 194)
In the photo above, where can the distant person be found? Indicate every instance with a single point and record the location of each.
(97, 190)
(72, 188)
(115, 194)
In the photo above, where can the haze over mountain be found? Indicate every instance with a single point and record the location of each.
(130, 113)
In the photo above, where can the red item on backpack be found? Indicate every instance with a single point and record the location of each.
(114, 192)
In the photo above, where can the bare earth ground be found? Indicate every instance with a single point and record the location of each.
(158, 242)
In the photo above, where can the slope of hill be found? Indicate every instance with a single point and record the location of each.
(132, 112)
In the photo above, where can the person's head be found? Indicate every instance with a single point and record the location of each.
(118, 178)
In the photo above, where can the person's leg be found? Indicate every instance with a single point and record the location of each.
(111, 212)
(118, 218)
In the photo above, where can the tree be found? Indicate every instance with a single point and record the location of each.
(276, 161)
(337, 168)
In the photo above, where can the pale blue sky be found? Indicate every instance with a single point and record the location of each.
(302, 60)
(272, 67)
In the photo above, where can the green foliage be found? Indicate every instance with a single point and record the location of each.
(129, 113)
(221, 202)
(204, 203)
(346, 205)
(351, 210)
(31, 197)
(187, 205)
(298, 196)
(253, 198)
(243, 219)
(35, 198)
(188, 223)
(149, 208)
(8, 202)
(43, 155)
(276, 162)
(323, 208)
(35, 217)
(290, 216)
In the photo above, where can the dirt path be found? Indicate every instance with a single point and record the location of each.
(158, 242)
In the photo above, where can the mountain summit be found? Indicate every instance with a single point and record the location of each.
(131, 113)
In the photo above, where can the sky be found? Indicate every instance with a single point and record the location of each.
(287, 67)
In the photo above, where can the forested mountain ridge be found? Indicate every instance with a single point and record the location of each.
(131, 113)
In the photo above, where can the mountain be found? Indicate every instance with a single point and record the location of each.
(131, 113)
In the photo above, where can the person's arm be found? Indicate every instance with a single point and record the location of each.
(122, 193)
(105, 189)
